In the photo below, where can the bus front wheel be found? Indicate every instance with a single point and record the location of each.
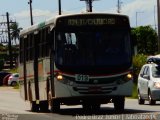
(91, 106)
(55, 106)
(119, 104)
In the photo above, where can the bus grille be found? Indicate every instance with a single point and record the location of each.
(95, 89)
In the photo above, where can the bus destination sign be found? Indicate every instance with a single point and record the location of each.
(93, 21)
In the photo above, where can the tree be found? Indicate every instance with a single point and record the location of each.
(15, 30)
(146, 40)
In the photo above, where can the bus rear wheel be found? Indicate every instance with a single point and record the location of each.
(34, 106)
(44, 106)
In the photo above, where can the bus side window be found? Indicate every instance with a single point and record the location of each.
(38, 43)
(47, 42)
(43, 43)
(31, 54)
(22, 49)
(27, 48)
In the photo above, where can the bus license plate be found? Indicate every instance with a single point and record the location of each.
(82, 78)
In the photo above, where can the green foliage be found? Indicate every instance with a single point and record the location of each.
(138, 61)
(14, 70)
(16, 87)
(134, 93)
(146, 39)
(15, 30)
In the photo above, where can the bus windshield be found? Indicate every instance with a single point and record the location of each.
(93, 51)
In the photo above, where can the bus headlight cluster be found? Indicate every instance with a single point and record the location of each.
(125, 79)
(59, 77)
(129, 76)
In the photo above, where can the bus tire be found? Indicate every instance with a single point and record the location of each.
(55, 106)
(119, 104)
(43, 106)
(34, 106)
(87, 107)
(96, 106)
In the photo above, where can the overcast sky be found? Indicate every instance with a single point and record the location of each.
(44, 9)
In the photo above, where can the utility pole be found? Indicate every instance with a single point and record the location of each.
(30, 3)
(9, 43)
(88, 5)
(59, 4)
(119, 6)
(155, 18)
(158, 16)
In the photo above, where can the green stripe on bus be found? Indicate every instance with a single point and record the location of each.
(41, 25)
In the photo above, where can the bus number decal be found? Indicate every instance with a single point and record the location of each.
(82, 78)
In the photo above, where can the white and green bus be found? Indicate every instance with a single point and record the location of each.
(79, 59)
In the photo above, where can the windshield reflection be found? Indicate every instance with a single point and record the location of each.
(96, 49)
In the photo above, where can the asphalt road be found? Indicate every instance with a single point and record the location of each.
(12, 107)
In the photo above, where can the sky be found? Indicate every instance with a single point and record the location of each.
(145, 10)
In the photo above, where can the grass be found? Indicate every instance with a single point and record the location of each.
(16, 87)
(14, 70)
(134, 94)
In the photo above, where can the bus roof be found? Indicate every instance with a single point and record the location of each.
(51, 22)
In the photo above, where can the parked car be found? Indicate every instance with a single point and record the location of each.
(149, 82)
(13, 79)
(5, 79)
(2, 75)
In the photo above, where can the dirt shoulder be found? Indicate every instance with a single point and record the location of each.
(8, 88)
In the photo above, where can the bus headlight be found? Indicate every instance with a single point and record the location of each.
(129, 76)
(157, 84)
(125, 79)
(59, 77)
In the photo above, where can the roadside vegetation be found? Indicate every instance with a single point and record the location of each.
(138, 61)
(146, 40)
